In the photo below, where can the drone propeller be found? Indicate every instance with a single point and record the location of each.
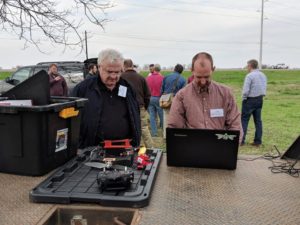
(96, 165)
(99, 165)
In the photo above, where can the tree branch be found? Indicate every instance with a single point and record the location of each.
(28, 19)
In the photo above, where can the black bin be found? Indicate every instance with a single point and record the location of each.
(36, 139)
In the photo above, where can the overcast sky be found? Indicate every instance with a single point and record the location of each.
(170, 32)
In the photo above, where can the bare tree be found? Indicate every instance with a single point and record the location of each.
(28, 19)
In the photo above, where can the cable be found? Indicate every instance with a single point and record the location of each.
(287, 167)
(187, 11)
(267, 156)
(153, 38)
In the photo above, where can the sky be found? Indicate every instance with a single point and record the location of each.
(170, 32)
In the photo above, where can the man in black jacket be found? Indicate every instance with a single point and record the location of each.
(112, 112)
(139, 84)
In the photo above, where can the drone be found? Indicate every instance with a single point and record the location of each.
(116, 160)
(112, 177)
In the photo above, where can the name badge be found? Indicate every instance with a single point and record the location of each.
(122, 91)
(216, 113)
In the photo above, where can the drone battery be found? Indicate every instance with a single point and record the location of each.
(114, 180)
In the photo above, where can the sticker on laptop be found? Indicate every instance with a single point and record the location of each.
(61, 140)
(226, 136)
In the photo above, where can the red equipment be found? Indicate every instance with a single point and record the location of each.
(111, 144)
(142, 161)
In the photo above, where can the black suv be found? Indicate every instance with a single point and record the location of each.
(72, 71)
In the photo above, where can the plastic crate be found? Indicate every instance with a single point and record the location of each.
(36, 139)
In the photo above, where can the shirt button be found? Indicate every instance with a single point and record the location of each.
(203, 99)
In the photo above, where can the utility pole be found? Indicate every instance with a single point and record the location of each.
(261, 34)
(86, 47)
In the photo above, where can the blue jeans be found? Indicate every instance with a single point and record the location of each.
(252, 106)
(155, 109)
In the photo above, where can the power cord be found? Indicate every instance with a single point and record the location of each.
(267, 156)
(288, 167)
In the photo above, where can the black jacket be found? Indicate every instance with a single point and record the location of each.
(89, 89)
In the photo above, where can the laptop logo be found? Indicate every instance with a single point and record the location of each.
(226, 136)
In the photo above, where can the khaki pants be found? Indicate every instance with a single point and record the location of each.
(166, 114)
(146, 135)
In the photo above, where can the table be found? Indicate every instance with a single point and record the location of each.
(249, 195)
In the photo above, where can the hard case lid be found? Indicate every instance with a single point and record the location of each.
(36, 88)
(76, 182)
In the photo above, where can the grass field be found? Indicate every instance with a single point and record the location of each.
(281, 110)
(4, 74)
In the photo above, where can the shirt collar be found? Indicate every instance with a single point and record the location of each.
(102, 86)
(155, 73)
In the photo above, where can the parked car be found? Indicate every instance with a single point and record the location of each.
(280, 66)
(72, 72)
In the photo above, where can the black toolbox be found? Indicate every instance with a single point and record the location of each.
(37, 139)
(77, 182)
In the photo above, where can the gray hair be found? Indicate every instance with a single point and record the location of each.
(157, 67)
(110, 55)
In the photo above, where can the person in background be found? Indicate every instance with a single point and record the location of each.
(172, 83)
(154, 83)
(92, 70)
(136, 68)
(112, 112)
(205, 104)
(151, 69)
(139, 84)
(58, 85)
(254, 89)
(190, 79)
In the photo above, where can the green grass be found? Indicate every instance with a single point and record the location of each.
(281, 110)
(4, 74)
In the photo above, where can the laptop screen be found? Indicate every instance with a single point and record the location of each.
(202, 148)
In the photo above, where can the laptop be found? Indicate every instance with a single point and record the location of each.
(202, 148)
(293, 152)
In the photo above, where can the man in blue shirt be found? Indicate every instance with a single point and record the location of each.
(172, 83)
(254, 89)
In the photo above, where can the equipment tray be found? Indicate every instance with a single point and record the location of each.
(76, 182)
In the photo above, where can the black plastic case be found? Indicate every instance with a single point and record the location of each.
(36, 139)
(76, 182)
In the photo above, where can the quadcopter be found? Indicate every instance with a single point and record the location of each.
(112, 177)
(116, 160)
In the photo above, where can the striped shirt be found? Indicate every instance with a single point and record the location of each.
(255, 84)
